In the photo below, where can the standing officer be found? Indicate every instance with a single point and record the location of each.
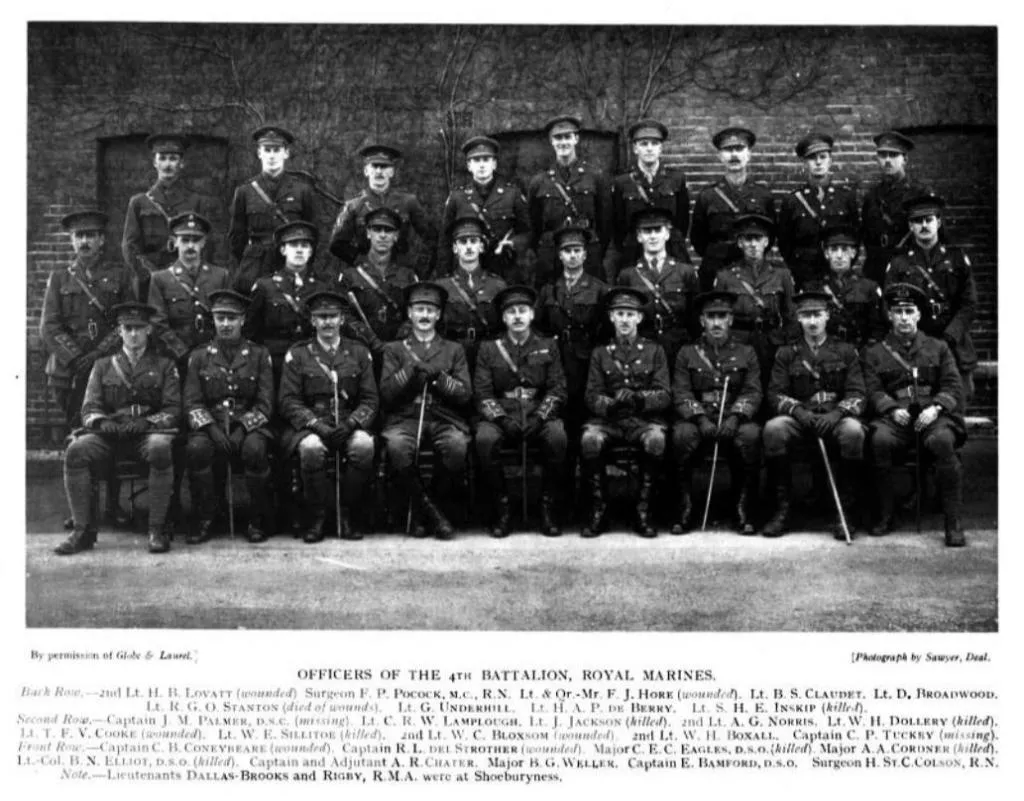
(470, 315)
(147, 244)
(132, 404)
(671, 285)
(229, 400)
(816, 390)
(806, 211)
(519, 389)
(883, 219)
(377, 282)
(181, 293)
(501, 208)
(628, 394)
(569, 190)
(764, 307)
(349, 239)
(944, 274)
(327, 370)
(277, 316)
(718, 206)
(428, 373)
(263, 204)
(915, 392)
(698, 381)
(856, 314)
(649, 185)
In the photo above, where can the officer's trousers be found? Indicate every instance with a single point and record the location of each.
(598, 434)
(552, 438)
(783, 433)
(687, 442)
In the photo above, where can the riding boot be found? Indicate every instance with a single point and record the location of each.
(644, 525)
(950, 480)
(315, 491)
(161, 482)
(593, 481)
(494, 479)
(886, 499)
(258, 487)
(780, 479)
(548, 517)
(200, 486)
(115, 515)
(684, 486)
(78, 486)
(746, 477)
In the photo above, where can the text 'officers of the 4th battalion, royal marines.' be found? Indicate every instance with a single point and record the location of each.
(716, 390)
(519, 389)
(229, 400)
(328, 399)
(915, 393)
(628, 396)
(132, 407)
(425, 393)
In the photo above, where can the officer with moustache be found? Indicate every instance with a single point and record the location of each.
(329, 400)
(229, 401)
(915, 391)
(628, 395)
(428, 373)
(519, 390)
(501, 208)
(714, 365)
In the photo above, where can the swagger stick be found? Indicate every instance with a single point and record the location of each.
(416, 455)
(917, 445)
(835, 492)
(337, 460)
(522, 448)
(231, 491)
(714, 458)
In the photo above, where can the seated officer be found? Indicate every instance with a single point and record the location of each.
(628, 394)
(520, 389)
(816, 390)
(229, 398)
(377, 282)
(915, 390)
(671, 285)
(132, 404)
(856, 302)
(698, 381)
(328, 399)
(426, 375)
(470, 315)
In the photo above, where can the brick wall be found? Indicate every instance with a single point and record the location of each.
(338, 88)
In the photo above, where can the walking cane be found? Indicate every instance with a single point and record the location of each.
(231, 491)
(522, 448)
(917, 445)
(835, 492)
(416, 455)
(714, 457)
(337, 460)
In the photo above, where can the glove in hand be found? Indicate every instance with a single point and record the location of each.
(730, 425)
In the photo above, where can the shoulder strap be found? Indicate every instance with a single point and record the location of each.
(811, 370)
(640, 188)
(566, 196)
(469, 301)
(119, 369)
(704, 358)
(806, 205)
(898, 358)
(750, 291)
(931, 282)
(161, 209)
(504, 354)
(92, 298)
(653, 290)
(191, 291)
(835, 298)
(415, 356)
(266, 199)
(725, 197)
(376, 287)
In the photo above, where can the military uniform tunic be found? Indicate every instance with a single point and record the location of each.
(182, 301)
(802, 218)
(501, 207)
(470, 314)
(714, 213)
(633, 192)
(857, 313)
(349, 239)
(884, 227)
(381, 297)
(254, 220)
(669, 312)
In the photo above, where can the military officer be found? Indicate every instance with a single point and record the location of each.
(500, 206)
(424, 372)
(629, 395)
(806, 211)
(698, 383)
(147, 244)
(856, 314)
(883, 219)
(651, 184)
(763, 315)
(944, 274)
(671, 285)
(712, 231)
(470, 314)
(132, 404)
(229, 400)
(277, 316)
(377, 283)
(264, 203)
(181, 293)
(816, 390)
(329, 400)
(569, 190)
(349, 239)
(914, 390)
(519, 390)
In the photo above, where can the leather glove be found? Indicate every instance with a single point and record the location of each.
(219, 438)
(534, 424)
(137, 425)
(638, 402)
(706, 427)
(430, 371)
(804, 417)
(339, 436)
(623, 398)
(730, 425)
(109, 427)
(826, 422)
(321, 429)
(510, 426)
(237, 437)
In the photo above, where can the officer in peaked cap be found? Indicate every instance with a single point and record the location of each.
(809, 209)
(718, 205)
(273, 135)
(385, 155)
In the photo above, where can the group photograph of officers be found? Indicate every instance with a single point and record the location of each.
(562, 322)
